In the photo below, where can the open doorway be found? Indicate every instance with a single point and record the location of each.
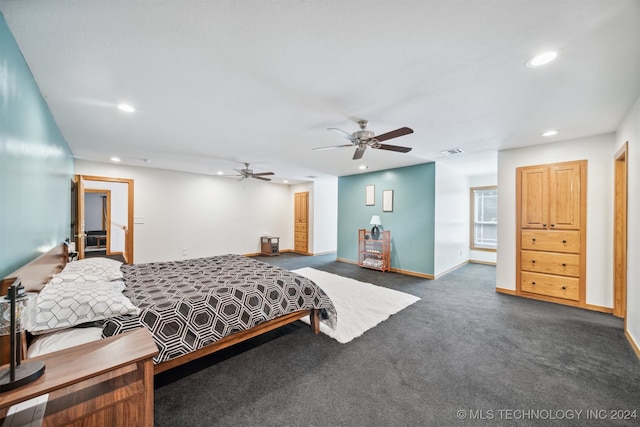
(103, 221)
(97, 217)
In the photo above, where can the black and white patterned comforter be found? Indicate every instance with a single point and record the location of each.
(189, 304)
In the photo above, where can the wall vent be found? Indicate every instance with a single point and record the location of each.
(452, 152)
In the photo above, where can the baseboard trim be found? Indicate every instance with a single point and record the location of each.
(437, 276)
(632, 342)
(506, 291)
(475, 261)
(394, 270)
(599, 308)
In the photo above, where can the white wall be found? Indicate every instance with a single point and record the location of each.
(93, 211)
(325, 212)
(598, 151)
(119, 209)
(451, 218)
(629, 131)
(486, 180)
(206, 215)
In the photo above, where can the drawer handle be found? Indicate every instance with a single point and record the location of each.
(564, 264)
(533, 239)
(533, 261)
(553, 225)
(564, 287)
(533, 283)
(564, 241)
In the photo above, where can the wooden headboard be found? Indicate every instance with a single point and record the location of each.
(33, 276)
(36, 273)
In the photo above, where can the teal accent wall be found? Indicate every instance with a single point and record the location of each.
(36, 164)
(412, 222)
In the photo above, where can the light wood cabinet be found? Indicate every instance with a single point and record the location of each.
(551, 218)
(301, 224)
(375, 254)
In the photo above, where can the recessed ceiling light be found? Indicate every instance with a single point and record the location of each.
(220, 173)
(550, 132)
(362, 167)
(542, 59)
(285, 181)
(126, 108)
(115, 159)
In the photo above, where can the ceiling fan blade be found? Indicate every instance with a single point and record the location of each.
(261, 178)
(333, 146)
(343, 133)
(393, 148)
(359, 153)
(263, 173)
(394, 134)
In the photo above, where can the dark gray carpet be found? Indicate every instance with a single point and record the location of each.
(499, 359)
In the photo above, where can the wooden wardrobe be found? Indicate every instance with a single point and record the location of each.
(551, 232)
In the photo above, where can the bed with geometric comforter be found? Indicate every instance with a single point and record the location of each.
(192, 303)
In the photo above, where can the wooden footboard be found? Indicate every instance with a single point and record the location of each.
(228, 341)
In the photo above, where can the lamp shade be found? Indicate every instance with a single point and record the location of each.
(25, 313)
(375, 220)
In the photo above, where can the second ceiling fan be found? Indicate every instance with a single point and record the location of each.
(365, 138)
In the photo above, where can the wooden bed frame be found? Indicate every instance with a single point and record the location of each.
(38, 272)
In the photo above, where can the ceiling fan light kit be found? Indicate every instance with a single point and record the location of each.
(366, 138)
(247, 173)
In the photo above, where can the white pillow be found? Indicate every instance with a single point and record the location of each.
(76, 278)
(108, 269)
(47, 343)
(63, 305)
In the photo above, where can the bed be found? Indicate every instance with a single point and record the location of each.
(192, 307)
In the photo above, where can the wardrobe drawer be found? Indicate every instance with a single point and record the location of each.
(301, 237)
(551, 240)
(550, 285)
(550, 263)
(301, 227)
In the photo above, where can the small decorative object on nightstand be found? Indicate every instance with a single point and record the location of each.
(375, 254)
(270, 245)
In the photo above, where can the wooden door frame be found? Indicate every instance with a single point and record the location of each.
(620, 213)
(128, 244)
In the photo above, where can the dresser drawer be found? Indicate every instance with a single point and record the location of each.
(301, 237)
(550, 285)
(551, 240)
(300, 246)
(550, 263)
(301, 227)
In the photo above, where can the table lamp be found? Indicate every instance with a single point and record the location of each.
(17, 310)
(375, 231)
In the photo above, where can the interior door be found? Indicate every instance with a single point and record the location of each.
(80, 236)
(301, 214)
(620, 235)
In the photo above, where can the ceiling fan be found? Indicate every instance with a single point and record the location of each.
(248, 173)
(365, 138)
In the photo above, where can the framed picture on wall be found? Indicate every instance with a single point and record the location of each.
(387, 201)
(369, 195)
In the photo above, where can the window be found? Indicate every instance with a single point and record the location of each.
(484, 218)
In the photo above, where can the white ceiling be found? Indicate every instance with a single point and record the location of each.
(218, 83)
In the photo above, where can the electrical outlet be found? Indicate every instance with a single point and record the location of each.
(184, 252)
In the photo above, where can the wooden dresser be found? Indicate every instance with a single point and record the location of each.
(103, 383)
(551, 222)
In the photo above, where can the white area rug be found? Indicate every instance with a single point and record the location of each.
(360, 306)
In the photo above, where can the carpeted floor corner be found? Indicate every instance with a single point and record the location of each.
(462, 351)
